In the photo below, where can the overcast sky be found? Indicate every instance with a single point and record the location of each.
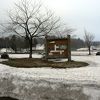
(78, 14)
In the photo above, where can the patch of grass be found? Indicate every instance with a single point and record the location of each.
(33, 63)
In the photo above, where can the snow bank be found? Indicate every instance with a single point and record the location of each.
(24, 55)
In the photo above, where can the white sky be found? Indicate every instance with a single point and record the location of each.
(78, 14)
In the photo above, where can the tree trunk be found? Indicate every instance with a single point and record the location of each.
(46, 49)
(30, 53)
(89, 50)
(69, 48)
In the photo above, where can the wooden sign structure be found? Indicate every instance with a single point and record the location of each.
(58, 48)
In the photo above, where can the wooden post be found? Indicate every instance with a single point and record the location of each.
(69, 48)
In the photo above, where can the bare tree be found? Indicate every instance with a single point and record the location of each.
(88, 37)
(31, 20)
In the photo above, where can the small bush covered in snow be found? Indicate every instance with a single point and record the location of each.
(5, 56)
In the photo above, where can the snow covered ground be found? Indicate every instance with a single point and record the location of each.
(16, 82)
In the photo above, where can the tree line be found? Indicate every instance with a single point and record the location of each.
(17, 43)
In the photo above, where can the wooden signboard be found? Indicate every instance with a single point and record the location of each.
(58, 48)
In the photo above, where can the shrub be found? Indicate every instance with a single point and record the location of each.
(5, 56)
(98, 53)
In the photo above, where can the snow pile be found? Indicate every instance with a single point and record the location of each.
(8, 50)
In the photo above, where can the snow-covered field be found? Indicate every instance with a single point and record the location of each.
(22, 82)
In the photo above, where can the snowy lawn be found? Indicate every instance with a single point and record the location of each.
(26, 84)
(84, 74)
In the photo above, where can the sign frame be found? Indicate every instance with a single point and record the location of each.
(58, 48)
